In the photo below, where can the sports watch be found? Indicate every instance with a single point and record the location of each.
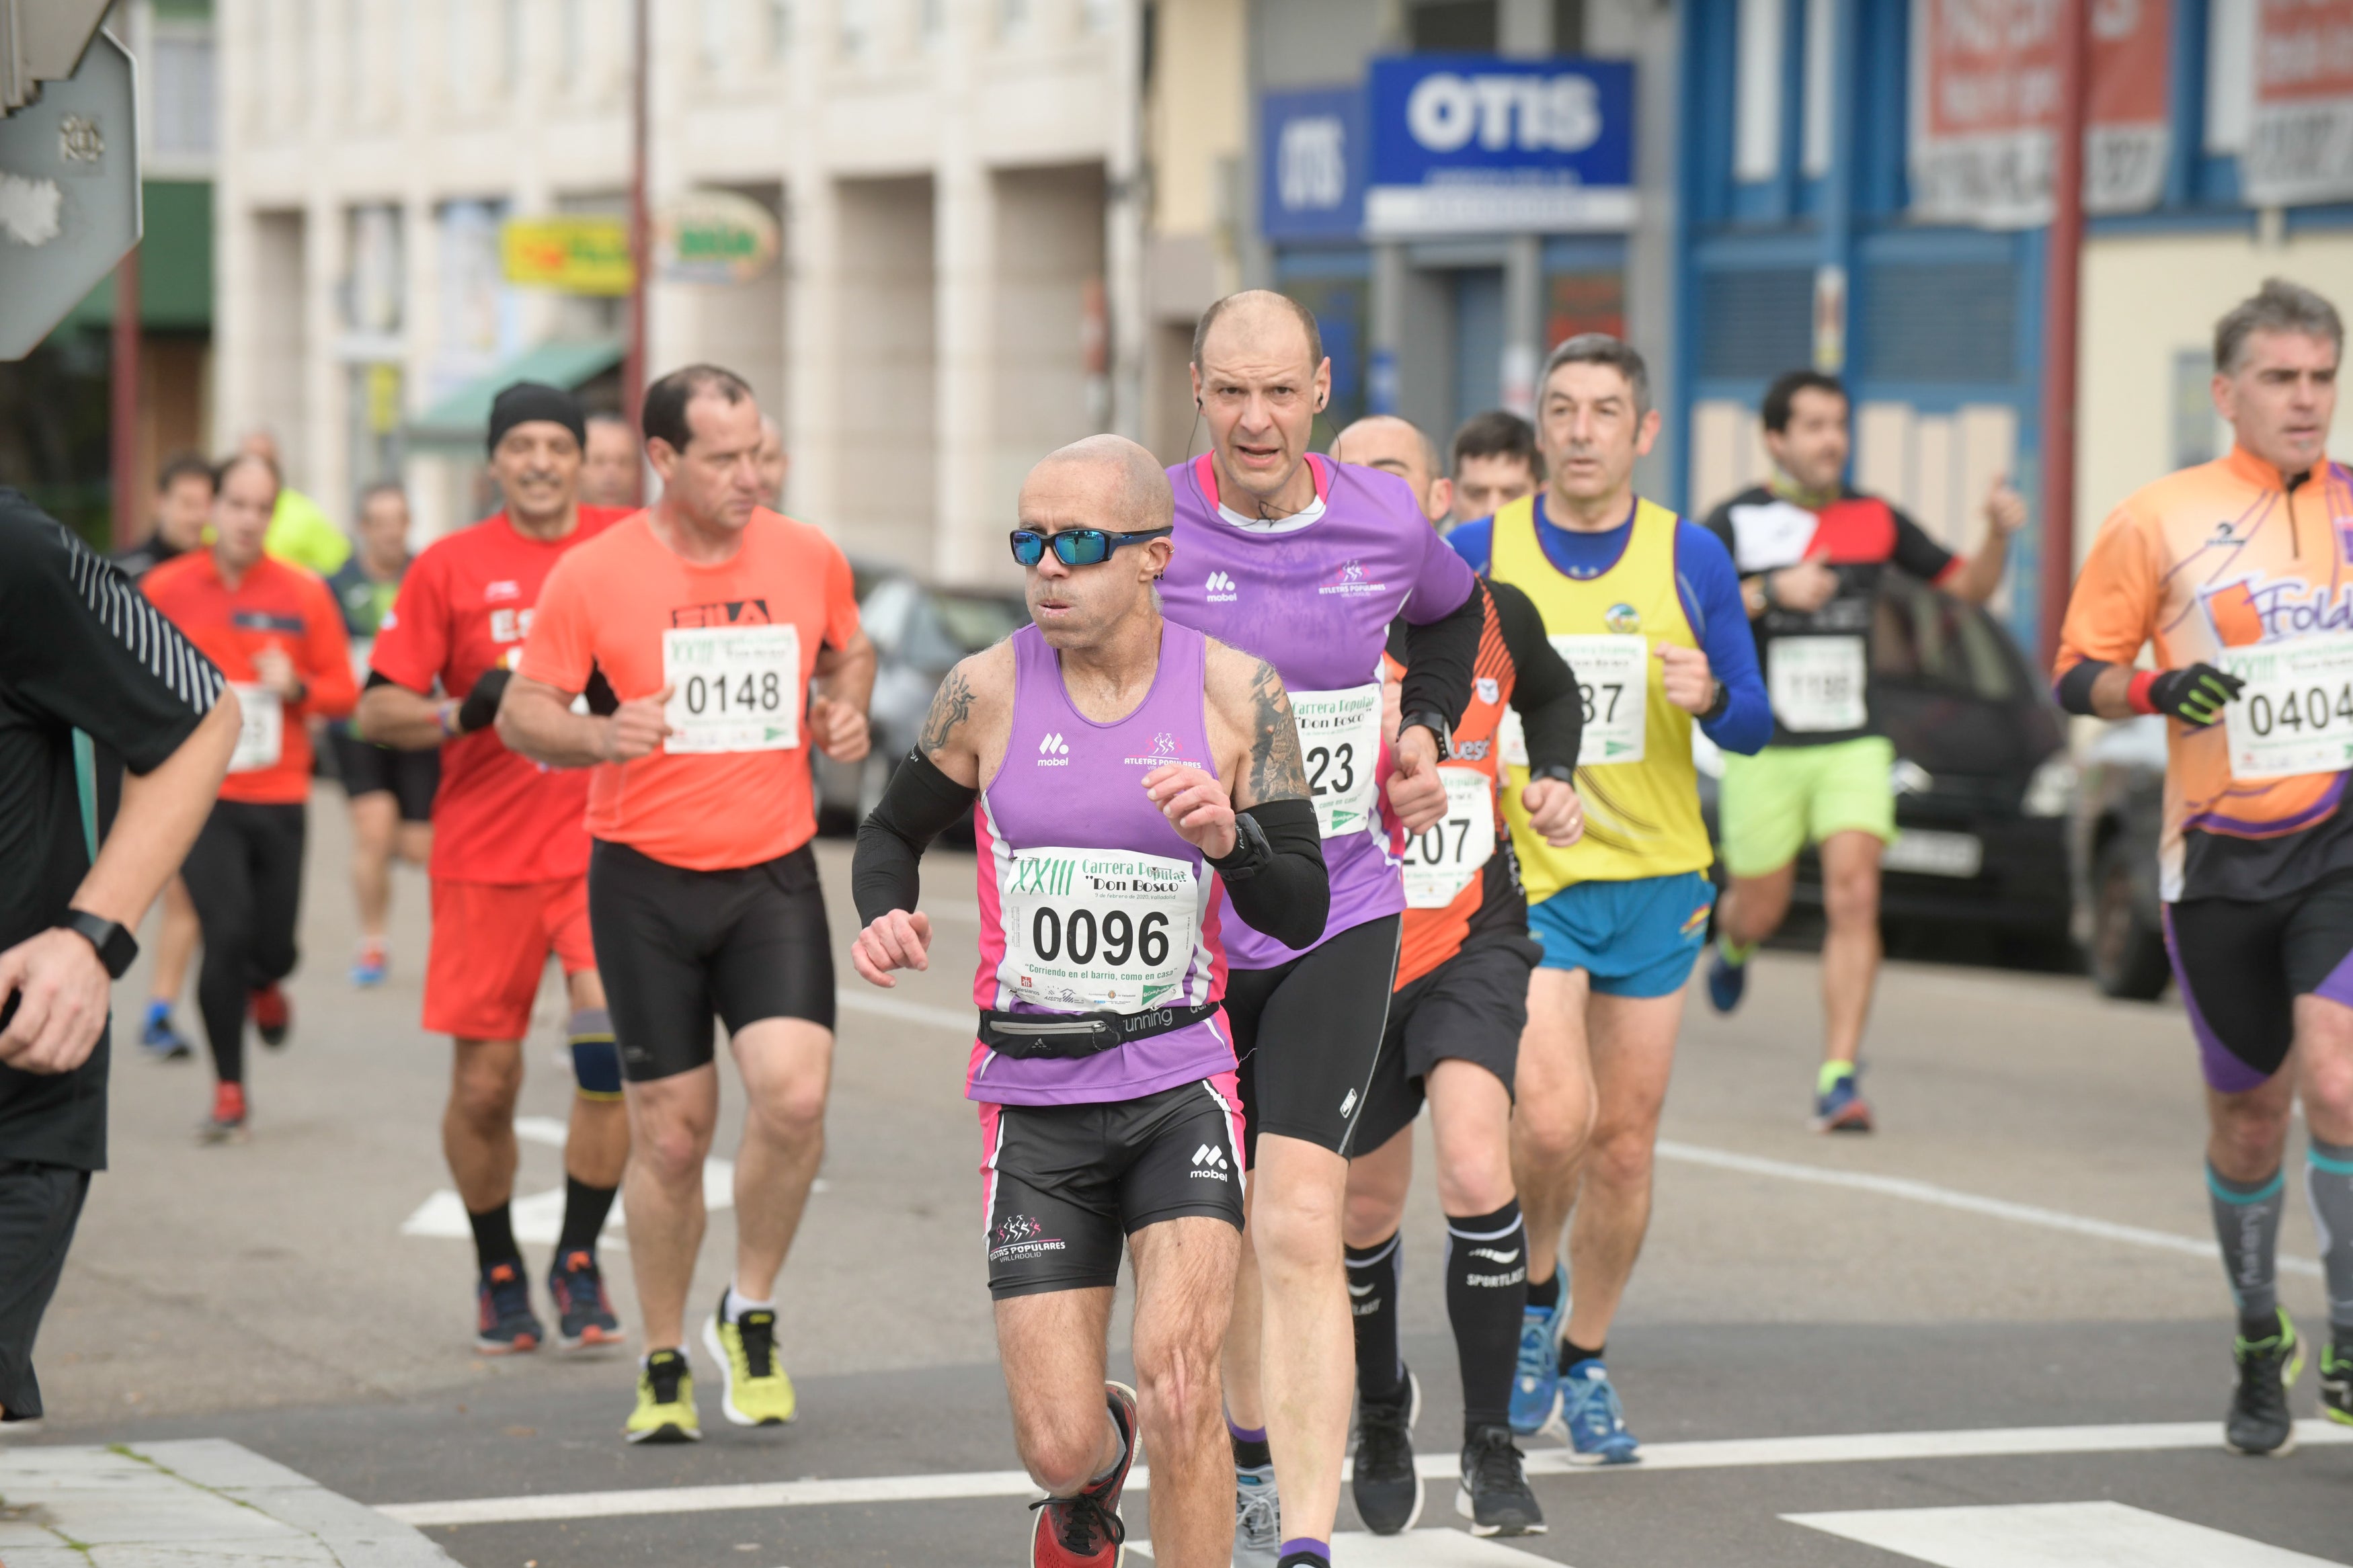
(116, 947)
(1434, 721)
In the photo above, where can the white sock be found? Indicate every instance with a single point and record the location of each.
(737, 1304)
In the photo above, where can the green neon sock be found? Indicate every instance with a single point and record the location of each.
(1734, 953)
(1831, 1074)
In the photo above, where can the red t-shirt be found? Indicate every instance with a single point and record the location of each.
(273, 605)
(463, 609)
(629, 605)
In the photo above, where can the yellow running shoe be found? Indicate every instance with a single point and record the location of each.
(665, 1412)
(756, 1393)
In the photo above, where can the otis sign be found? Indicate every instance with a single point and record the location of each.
(1464, 143)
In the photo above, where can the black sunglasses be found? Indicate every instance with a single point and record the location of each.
(1077, 546)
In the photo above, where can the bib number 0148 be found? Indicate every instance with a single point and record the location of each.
(733, 688)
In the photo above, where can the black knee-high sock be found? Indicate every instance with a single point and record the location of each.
(1374, 1274)
(494, 1241)
(584, 1210)
(1486, 1291)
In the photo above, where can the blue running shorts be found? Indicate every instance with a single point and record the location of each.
(1637, 938)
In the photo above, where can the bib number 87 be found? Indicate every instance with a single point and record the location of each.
(1322, 760)
(2298, 711)
(1117, 937)
(712, 694)
(1608, 692)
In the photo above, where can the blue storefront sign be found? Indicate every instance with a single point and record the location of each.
(1476, 145)
(1311, 176)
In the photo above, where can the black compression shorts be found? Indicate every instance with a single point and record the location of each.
(677, 946)
(2242, 965)
(1308, 1033)
(1472, 1008)
(1062, 1184)
(411, 776)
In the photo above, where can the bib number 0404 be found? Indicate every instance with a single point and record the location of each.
(2295, 713)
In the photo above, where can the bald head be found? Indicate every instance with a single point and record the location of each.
(1126, 478)
(1265, 321)
(1398, 447)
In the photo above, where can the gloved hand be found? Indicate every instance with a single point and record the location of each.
(2194, 694)
(481, 709)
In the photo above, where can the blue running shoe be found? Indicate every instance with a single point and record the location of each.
(162, 1041)
(1726, 980)
(1840, 1106)
(371, 962)
(1536, 1381)
(1596, 1421)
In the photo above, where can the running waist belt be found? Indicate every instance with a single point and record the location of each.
(1028, 1036)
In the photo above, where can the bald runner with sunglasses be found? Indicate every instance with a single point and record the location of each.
(1128, 779)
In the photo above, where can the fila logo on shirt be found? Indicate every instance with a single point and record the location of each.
(1221, 589)
(1053, 751)
(1209, 1160)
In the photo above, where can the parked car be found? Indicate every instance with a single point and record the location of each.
(919, 633)
(1983, 781)
(2112, 850)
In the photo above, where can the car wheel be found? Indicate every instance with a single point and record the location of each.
(2127, 952)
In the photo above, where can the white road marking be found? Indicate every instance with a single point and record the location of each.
(1736, 1453)
(2202, 1248)
(1415, 1549)
(2051, 1535)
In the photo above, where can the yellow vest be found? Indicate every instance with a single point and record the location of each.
(1642, 815)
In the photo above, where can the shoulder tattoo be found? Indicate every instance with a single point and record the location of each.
(1276, 771)
(951, 706)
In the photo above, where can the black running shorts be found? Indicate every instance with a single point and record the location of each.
(1063, 1184)
(1472, 1008)
(677, 946)
(39, 1205)
(1308, 1033)
(411, 777)
(2242, 965)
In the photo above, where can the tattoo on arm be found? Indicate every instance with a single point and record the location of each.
(1276, 771)
(951, 707)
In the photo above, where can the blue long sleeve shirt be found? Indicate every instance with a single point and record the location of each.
(1707, 586)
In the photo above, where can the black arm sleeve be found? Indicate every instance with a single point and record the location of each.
(1439, 659)
(920, 801)
(1544, 688)
(1290, 897)
(2075, 687)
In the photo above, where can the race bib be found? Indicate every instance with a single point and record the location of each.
(1816, 683)
(1613, 676)
(2296, 714)
(1340, 743)
(261, 730)
(1097, 930)
(1512, 739)
(1442, 858)
(734, 688)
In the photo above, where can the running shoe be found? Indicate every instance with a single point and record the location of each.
(1258, 1517)
(665, 1412)
(1387, 1492)
(1494, 1495)
(1536, 1383)
(1596, 1421)
(756, 1391)
(271, 1016)
(371, 962)
(1726, 980)
(1084, 1530)
(584, 1313)
(1839, 1107)
(504, 1323)
(2258, 1423)
(2336, 1383)
(160, 1039)
(226, 1123)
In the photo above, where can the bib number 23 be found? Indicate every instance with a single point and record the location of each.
(1340, 745)
(734, 688)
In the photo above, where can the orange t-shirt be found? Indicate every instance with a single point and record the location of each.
(739, 641)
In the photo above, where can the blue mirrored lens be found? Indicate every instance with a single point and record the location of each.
(1081, 546)
(1028, 548)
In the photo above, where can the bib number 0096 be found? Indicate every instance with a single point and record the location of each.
(1116, 938)
(1088, 929)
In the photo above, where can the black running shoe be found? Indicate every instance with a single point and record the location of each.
(1494, 1495)
(2336, 1382)
(583, 1314)
(2259, 1422)
(1388, 1492)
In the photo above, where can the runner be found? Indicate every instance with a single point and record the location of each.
(2234, 573)
(1454, 1037)
(299, 533)
(609, 476)
(708, 613)
(1811, 550)
(183, 504)
(509, 868)
(1106, 736)
(1646, 608)
(390, 792)
(1305, 562)
(1495, 463)
(275, 633)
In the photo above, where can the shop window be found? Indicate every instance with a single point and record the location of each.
(1753, 325)
(1944, 322)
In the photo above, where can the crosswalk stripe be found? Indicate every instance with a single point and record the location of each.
(2051, 1535)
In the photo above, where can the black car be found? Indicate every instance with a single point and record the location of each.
(2112, 843)
(919, 633)
(1983, 781)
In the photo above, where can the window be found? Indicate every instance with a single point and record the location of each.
(1821, 62)
(182, 103)
(1757, 91)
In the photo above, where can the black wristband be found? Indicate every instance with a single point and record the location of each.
(1251, 854)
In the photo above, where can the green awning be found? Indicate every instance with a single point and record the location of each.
(463, 419)
(176, 264)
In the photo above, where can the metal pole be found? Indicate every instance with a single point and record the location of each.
(123, 403)
(2061, 264)
(633, 360)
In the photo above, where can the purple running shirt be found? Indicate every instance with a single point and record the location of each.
(1314, 595)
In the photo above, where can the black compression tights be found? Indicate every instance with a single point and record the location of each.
(244, 875)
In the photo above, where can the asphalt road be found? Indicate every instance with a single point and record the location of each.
(2003, 1299)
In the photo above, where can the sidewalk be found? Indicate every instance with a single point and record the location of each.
(202, 1503)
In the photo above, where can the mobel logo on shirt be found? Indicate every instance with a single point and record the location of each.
(726, 613)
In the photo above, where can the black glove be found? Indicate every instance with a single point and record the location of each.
(481, 709)
(2194, 694)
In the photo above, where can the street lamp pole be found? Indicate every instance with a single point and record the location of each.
(633, 360)
(2061, 266)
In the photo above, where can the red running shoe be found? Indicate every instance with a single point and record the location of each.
(271, 1015)
(1085, 1530)
(226, 1123)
